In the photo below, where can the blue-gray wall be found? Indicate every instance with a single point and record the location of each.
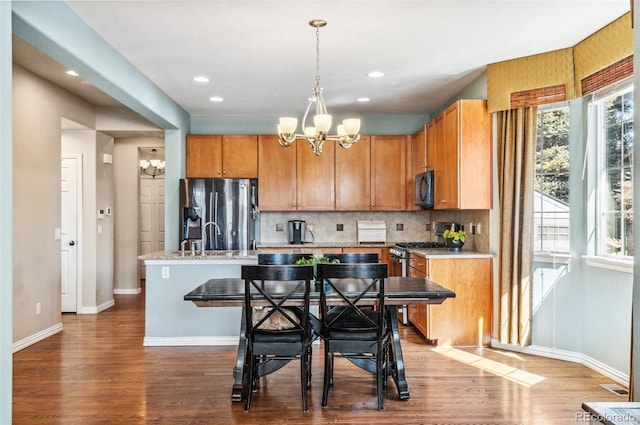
(6, 223)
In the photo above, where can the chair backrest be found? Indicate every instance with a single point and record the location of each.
(275, 287)
(354, 257)
(353, 287)
(281, 258)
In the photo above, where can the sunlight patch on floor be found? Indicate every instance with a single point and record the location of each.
(511, 373)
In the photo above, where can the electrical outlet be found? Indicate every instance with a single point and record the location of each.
(478, 228)
(340, 227)
(38, 309)
(428, 227)
(279, 227)
(165, 272)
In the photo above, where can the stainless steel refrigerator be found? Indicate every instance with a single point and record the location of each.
(232, 204)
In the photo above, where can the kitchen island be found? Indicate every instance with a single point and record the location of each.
(171, 321)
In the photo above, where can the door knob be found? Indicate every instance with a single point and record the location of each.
(72, 243)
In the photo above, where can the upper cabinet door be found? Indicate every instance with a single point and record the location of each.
(240, 156)
(215, 156)
(476, 155)
(463, 154)
(388, 172)
(353, 176)
(276, 175)
(316, 177)
(451, 158)
(204, 156)
(418, 161)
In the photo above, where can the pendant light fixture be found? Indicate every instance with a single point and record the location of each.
(316, 134)
(153, 166)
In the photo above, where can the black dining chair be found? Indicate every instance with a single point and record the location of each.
(276, 333)
(354, 257)
(281, 258)
(350, 327)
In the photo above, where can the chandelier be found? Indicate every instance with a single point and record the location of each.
(317, 133)
(152, 167)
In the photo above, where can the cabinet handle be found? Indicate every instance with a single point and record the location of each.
(219, 172)
(224, 172)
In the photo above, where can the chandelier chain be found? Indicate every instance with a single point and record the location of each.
(317, 56)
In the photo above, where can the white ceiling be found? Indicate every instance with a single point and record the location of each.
(260, 55)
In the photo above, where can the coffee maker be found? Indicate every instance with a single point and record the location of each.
(297, 229)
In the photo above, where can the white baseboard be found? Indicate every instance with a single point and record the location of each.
(97, 309)
(571, 356)
(30, 340)
(150, 341)
(130, 291)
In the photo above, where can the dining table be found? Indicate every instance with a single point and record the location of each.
(399, 291)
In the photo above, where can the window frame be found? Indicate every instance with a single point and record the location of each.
(556, 257)
(601, 227)
(598, 257)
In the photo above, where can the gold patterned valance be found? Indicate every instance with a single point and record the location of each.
(567, 67)
(611, 44)
(531, 72)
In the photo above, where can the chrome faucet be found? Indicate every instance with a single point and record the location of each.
(182, 245)
(204, 234)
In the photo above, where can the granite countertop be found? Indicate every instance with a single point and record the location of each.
(251, 256)
(266, 245)
(211, 256)
(447, 253)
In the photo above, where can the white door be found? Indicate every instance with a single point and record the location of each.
(69, 232)
(151, 218)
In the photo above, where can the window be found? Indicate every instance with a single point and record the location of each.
(612, 110)
(551, 196)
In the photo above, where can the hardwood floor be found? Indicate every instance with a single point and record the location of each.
(97, 372)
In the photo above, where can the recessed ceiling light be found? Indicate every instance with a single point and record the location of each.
(376, 74)
(216, 99)
(73, 73)
(201, 79)
(363, 99)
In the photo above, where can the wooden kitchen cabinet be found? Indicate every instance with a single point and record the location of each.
(371, 174)
(228, 156)
(417, 313)
(418, 164)
(276, 175)
(388, 173)
(465, 319)
(315, 178)
(353, 176)
(293, 178)
(463, 160)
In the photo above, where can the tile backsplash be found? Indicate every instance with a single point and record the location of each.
(401, 226)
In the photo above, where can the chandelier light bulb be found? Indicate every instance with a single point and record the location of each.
(322, 122)
(288, 125)
(351, 126)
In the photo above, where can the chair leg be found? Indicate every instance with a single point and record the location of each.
(328, 371)
(309, 365)
(248, 388)
(304, 376)
(379, 376)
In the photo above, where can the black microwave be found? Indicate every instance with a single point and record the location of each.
(423, 190)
